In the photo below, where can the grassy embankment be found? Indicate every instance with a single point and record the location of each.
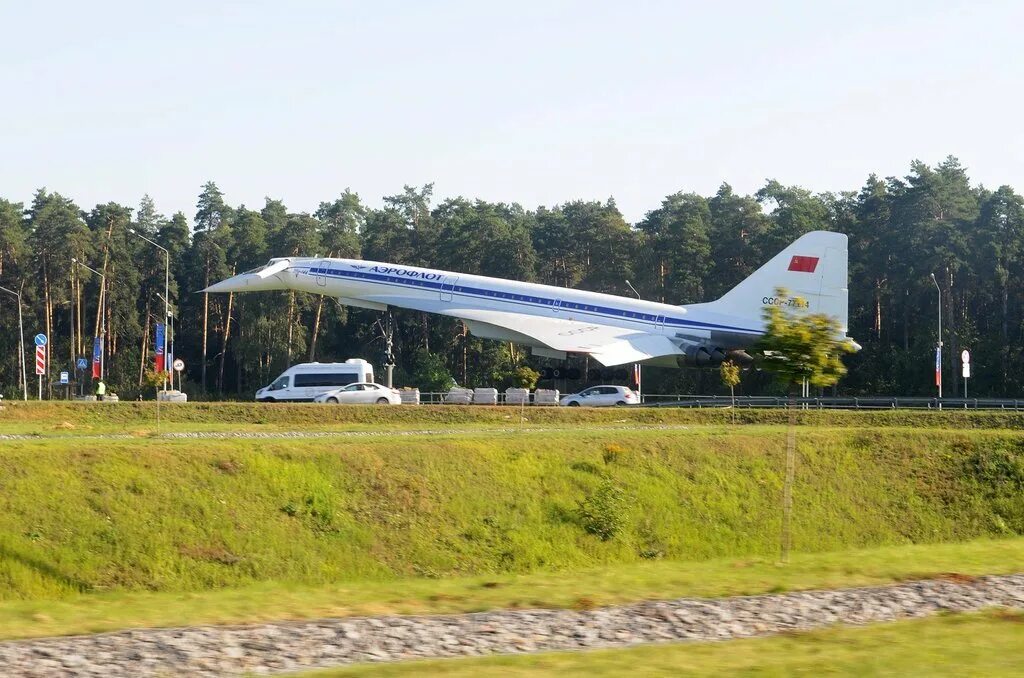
(56, 418)
(96, 534)
(988, 644)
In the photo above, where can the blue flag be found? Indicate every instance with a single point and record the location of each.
(97, 356)
(159, 352)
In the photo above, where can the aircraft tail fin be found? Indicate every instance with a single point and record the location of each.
(813, 267)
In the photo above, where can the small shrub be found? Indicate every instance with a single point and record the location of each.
(612, 452)
(603, 513)
(315, 509)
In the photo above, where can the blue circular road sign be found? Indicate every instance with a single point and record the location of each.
(82, 363)
(40, 339)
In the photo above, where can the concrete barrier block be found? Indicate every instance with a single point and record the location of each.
(545, 396)
(517, 396)
(485, 396)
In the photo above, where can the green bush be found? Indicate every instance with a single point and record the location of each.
(525, 377)
(603, 513)
(431, 375)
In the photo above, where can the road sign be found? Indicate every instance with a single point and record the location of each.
(82, 363)
(64, 377)
(966, 372)
(965, 357)
(179, 364)
(40, 360)
(40, 339)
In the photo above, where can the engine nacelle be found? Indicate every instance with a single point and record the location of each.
(713, 356)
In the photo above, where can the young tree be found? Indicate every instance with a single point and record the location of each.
(798, 347)
(730, 374)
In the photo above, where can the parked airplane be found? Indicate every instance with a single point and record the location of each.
(556, 321)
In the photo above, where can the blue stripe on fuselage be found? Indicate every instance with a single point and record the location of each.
(509, 297)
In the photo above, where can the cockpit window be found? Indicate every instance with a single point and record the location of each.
(261, 267)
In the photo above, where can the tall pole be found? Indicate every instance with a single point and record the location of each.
(167, 295)
(21, 331)
(637, 367)
(167, 312)
(103, 326)
(103, 315)
(938, 351)
(168, 341)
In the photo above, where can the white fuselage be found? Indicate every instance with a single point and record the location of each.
(434, 291)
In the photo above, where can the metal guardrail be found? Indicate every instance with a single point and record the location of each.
(838, 403)
(823, 403)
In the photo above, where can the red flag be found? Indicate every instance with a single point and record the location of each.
(803, 264)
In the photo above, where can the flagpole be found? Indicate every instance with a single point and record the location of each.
(103, 313)
(938, 349)
(167, 294)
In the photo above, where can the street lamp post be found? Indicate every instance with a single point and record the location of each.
(103, 314)
(167, 285)
(21, 330)
(170, 340)
(637, 367)
(938, 349)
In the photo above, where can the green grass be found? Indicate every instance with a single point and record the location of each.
(68, 418)
(580, 589)
(98, 515)
(986, 644)
(209, 527)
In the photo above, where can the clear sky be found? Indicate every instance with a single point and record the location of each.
(532, 102)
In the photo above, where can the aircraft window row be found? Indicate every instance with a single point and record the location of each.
(507, 295)
(580, 307)
(513, 297)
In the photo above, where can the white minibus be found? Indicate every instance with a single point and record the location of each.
(306, 381)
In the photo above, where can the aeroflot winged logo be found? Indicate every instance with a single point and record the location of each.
(803, 264)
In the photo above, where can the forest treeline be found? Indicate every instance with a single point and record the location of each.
(690, 248)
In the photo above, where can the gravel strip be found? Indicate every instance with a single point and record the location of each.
(191, 435)
(282, 647)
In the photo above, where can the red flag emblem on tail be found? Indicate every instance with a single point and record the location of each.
(803, 264)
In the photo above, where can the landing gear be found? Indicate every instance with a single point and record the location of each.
(387, 330)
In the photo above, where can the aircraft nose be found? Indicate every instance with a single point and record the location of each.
(233, 284)
(245, 282)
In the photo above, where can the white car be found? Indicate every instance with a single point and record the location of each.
(362, 393)
(601, 396)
